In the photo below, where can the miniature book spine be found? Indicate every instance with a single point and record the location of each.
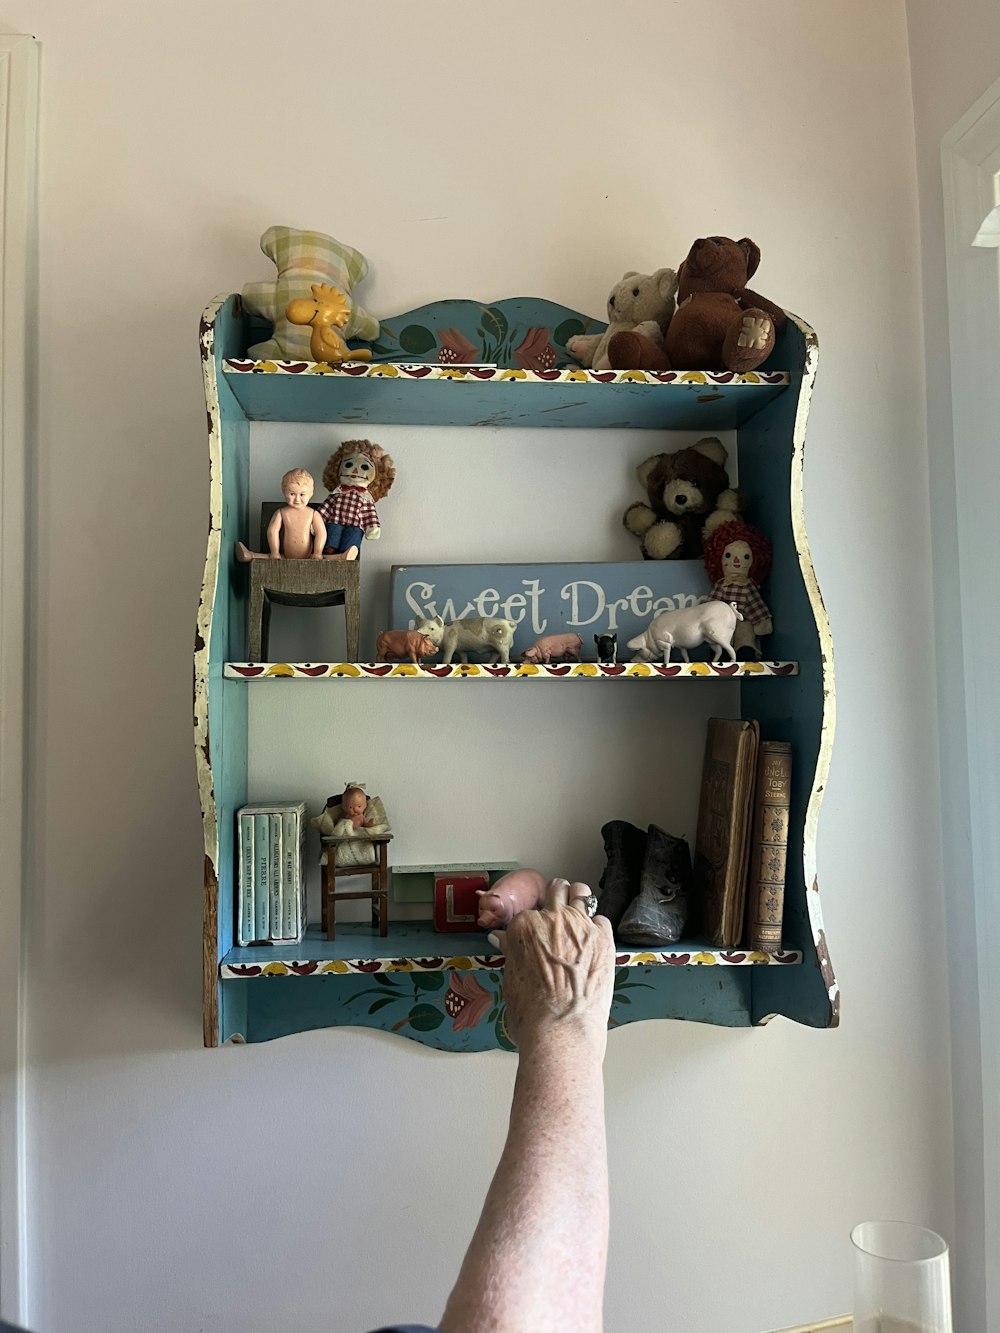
(291, 847)
(766, 897)
(262, 858)
(245, 904)
(275, 877)
(302, 902)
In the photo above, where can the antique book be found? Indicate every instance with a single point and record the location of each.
(766, 888)
(722, 842)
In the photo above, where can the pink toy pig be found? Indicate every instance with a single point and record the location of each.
(554, 647)
(517, 891)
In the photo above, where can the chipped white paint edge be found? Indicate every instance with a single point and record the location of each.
(202, 652)
(826, 648)
(327, 967)
(255, 671)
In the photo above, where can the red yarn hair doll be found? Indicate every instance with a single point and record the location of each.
(738, 560)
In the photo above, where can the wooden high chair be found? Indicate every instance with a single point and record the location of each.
(378, 870)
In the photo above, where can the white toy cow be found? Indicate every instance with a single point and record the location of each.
(707, 622)
(477, 634)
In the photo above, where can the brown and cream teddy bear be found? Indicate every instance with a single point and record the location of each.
(643, 303)
(719, 324)
(689, 497)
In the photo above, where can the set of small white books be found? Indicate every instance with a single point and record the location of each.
(271, 897)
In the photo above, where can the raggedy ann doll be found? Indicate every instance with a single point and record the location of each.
(357, 475)
(738, 560)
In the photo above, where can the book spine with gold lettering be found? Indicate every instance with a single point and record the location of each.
(766, 889)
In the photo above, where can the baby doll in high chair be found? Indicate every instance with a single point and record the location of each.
(354, 803)
(353, 814)
(357, 475)
(296, 532)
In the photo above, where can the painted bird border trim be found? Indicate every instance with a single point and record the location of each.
(465, 963)
(498, 671)
(567, 375)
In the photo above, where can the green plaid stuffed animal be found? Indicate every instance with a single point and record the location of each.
(303, 258)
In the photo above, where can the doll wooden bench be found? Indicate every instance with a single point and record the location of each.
(300, 583)
(378, 870)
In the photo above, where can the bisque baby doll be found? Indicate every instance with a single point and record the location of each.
(355, 815)
(354, 803)
(296, 532)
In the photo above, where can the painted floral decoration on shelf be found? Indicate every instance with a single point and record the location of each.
(490, 338)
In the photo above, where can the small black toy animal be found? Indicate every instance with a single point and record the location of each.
(607, 648)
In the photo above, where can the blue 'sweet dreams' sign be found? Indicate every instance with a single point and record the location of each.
(549, 599)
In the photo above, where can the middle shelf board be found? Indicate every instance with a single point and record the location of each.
(414, 946)
(434, 395)
(251, 671)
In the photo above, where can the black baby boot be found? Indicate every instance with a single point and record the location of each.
(659, 914)
(626, 847)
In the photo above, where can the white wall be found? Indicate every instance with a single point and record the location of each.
(955, 57)
(531, 149)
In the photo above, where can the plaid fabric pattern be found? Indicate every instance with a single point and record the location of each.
(350, 506)
(303, 258)
(747, 597)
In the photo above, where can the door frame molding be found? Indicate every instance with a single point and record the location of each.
(18, 137)
(970, 168)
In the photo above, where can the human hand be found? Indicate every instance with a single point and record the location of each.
(559, 969)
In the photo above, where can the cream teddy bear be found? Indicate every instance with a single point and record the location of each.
(640, 303)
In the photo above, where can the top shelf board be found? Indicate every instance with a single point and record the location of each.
(466, 363)
(420, 395)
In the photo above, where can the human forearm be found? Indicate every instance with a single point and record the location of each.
(539, 1253)
(538, 1256)
(536, 1262)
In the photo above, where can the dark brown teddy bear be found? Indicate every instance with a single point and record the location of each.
(719, 324)
(689, 496)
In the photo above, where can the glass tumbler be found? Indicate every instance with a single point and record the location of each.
(901, 1279)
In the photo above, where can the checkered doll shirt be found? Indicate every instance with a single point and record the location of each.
(748, 600)
(351, 507)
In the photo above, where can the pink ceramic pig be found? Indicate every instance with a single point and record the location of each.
(554, 647)
(403, 643)
(517, 891)
(514, 892)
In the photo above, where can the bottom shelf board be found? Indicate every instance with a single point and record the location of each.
(414, 946)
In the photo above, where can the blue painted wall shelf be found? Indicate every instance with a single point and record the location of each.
(466, 363)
